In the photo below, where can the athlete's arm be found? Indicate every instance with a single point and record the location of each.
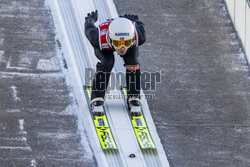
(141, 32)
(139, 27)
(91, 31)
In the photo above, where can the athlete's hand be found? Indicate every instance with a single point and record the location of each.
(131, 17)
(92, 15)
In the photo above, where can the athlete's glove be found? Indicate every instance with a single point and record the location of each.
(92, 15)
(131, 17)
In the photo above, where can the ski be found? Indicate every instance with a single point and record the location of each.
(140, 127)
(101, 125)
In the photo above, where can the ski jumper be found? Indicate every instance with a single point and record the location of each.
(98, 37)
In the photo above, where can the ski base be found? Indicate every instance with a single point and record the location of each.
(140, 127)
(101, 125)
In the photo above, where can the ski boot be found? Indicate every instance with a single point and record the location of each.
(134, 106)
(96, 106)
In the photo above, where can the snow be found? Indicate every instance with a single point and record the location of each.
(21, 127)
(14, 93)
(1, 56)
(27, 148)
(33, 163)
(1, 41)
(47, 65)
(70, 81)
(13, 111)
(78, 53)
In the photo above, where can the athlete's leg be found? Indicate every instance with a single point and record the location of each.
(102, 75)
(133, 73)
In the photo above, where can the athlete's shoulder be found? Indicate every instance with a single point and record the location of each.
(105, 23)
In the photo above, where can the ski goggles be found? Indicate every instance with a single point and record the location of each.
(119, 44)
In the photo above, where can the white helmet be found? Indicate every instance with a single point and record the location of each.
(121, 29)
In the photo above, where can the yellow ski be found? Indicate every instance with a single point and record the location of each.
(140, 127)
(102, 126)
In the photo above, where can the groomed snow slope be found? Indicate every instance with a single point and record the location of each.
(68, 18)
